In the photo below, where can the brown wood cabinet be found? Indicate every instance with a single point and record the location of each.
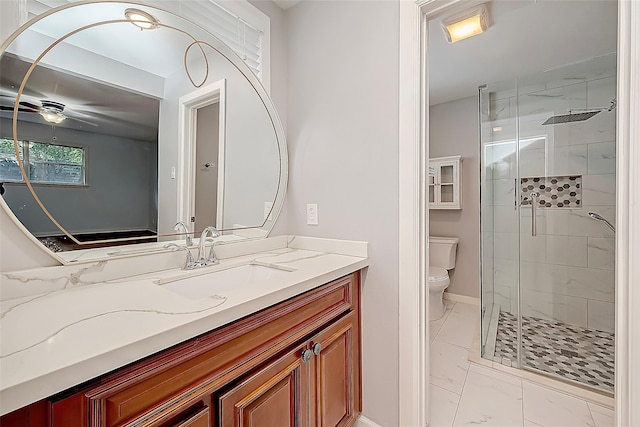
(294, 364)
(316, 385)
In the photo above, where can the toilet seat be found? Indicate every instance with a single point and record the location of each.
(437, 274)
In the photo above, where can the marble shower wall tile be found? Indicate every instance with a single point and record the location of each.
(555, 160)
(576, 222)
(599, 190)
(506, 218)
(533, 249)
(554, 307)
(505, 272)
(599, 128)
(506, 245)
(601, 158)
(558, 100)
(567, 250)
(601, 252)
(600, 92)
(503, 192)
(502, 297)
(569, 281)
(601, 315)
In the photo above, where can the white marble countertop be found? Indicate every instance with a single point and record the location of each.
(57, 331)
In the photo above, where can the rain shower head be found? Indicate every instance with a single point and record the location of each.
(578, 116)
(571, 117)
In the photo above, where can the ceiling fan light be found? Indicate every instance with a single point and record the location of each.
(141, 19)
(52, 116)
(466, 24)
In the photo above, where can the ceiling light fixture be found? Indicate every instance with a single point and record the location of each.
(52, 111)
(141, 19)
(52, 116)
(466, 24)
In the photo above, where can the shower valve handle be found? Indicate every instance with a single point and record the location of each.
(534, 203)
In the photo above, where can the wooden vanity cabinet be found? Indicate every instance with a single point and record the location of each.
(296, 364)
(317, 385)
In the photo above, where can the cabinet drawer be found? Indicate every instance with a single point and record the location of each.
(179, 376)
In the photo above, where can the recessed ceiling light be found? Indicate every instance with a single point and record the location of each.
(141, 19)
(466, 24)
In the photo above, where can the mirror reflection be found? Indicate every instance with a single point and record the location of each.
(122, 131)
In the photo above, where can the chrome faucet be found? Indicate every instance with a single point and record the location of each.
(201, 260)
(188, 262)
(211, 259)
(181, 226)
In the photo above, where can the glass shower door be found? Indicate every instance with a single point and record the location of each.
(566, 147)
(499, 223)
(547, 154)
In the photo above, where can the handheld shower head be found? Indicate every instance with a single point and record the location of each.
(599, 217)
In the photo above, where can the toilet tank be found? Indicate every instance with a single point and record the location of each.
(442, 251)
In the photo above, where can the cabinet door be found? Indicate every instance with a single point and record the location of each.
(337, 373)
(445, 183)
(275, 396)
(202, 418)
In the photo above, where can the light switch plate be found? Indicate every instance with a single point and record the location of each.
(312, 214)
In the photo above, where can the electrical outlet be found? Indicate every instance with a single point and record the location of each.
(267, 211)
(312, 214)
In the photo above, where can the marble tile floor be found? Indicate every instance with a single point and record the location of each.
(465, 394)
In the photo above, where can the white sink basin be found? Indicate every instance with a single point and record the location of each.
(219, 282)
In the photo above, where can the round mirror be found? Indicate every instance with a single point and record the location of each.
(119, 120)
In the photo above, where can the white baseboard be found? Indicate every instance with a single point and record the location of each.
(461, 298)
(365, 422)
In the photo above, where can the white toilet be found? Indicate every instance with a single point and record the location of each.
(442, 257)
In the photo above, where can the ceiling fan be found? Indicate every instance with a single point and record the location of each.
(51, 111)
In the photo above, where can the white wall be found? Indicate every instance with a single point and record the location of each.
(454, 131)
(279, 77)
(343, 142)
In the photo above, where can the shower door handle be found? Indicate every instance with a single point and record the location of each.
(534, 202)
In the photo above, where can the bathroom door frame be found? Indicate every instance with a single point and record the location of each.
(188, 106)
(413, 229)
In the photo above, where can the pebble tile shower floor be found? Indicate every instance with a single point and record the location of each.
(570, 352)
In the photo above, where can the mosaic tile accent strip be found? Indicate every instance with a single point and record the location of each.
(555, 191)
(570, 352)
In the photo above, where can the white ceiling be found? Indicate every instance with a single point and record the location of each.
(525, 37)
(286, 4)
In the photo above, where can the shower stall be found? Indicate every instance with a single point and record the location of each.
(548, 180)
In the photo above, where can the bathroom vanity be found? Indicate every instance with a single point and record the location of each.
(118, 333)
(279, 350)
